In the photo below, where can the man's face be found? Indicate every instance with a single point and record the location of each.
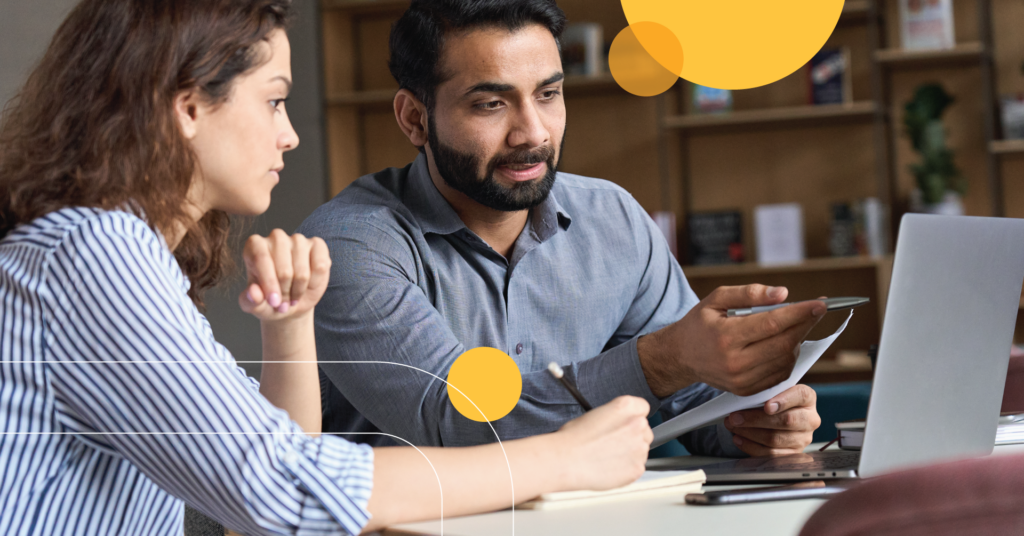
(498, 123)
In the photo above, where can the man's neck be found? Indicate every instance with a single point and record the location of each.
(498, 228)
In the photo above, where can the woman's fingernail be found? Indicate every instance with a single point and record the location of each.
(248, 296)
(294, 303)
(283, 308)
(274, 299)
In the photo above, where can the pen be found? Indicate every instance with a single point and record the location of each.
(559, 375)
(831, 304)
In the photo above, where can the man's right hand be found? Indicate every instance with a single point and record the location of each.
(742, 355)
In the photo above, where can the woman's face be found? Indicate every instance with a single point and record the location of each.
(239, 143)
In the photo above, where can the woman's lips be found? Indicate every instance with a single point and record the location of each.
(519, 175)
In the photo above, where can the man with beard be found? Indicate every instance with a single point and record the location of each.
(480, 242)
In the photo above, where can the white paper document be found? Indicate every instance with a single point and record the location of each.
(726, 403)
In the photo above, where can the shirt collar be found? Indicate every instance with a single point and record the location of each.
(436, 215)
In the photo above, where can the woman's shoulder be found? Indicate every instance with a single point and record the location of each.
(75, 224)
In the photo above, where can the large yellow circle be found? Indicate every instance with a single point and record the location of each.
(631, 62)
(490, 378)
(738, 44)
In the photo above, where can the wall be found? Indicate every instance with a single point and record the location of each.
(26, 27)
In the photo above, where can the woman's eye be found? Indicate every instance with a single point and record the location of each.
(276, 103)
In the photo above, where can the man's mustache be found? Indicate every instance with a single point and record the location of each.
(527, 157)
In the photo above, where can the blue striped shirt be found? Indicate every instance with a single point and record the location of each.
(117, 404)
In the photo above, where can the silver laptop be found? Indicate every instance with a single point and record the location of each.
(942, 360)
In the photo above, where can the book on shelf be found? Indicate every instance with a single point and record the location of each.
(830, 78)
(779, 231)
(926, 24)
(1013, 116)
(583, 49)
(858, 228)
(666, 222)
(709, 100)
(715, 237)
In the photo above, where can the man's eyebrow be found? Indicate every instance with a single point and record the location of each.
(552, 79)
(490, 87)
(496, 87)
(284, 79)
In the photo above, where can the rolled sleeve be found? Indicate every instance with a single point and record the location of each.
(614, 373)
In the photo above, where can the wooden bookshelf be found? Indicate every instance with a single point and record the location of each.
(773, 116)
(1006, 146)
(961, 54)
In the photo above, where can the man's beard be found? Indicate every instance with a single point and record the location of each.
(459, 170)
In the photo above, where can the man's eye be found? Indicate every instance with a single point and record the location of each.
(490, 105)
(551, 93)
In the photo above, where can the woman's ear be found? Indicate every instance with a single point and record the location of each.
(411, 115)
(186, 111)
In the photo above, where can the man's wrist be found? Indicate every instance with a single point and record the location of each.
(657, 369)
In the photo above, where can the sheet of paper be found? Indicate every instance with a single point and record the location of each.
(726, 403)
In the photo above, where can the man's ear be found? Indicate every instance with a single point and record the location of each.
(186, 111)
(411, 115)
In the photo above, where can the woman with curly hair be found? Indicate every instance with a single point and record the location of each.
(145, 125)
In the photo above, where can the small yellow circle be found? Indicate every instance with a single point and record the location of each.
(645, 59)
(490, 378)
(738, 44)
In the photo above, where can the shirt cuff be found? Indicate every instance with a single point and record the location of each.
(614, 373)
(338, 478)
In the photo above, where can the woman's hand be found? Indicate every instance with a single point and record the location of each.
(607, 447)
(287, 275)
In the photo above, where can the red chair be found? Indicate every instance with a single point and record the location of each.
(977, 496)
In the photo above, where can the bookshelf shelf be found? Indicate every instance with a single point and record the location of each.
(1006, 146)
(964, 53)
(809, 265)
(769, 116)
(576, 85)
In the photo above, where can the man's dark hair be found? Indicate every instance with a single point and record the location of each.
(417, 38)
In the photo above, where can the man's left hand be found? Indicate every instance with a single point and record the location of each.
(784, 426)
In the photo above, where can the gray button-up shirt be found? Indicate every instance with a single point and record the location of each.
(412, 285)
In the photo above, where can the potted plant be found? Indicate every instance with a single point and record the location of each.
(940, 184)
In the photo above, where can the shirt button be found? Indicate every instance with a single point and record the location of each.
(519, 348)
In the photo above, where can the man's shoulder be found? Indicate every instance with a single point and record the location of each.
(371, 202)
(582, 196)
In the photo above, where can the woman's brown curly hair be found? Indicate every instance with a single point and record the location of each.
(94, 125)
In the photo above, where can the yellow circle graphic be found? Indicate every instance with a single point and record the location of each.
(739, 44)
(490, 378)
(632, 58)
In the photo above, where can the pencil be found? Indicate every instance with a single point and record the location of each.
(559, 375)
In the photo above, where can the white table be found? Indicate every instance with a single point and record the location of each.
(657, 516)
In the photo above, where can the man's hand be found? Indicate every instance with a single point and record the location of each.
(742, 355)
(784, 426)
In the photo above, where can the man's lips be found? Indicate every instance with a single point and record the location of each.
(523, 173)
